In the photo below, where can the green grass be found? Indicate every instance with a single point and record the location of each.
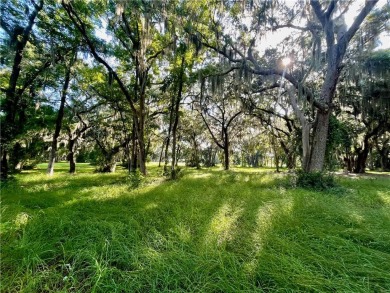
(211, 231)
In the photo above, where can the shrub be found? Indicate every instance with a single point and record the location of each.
(315, 180)
(136, 179)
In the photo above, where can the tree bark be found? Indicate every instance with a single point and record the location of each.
(71, 157)
(226, 148)
(176, 120)
(133, 155)
(168, 138)
(361, 160)
(318, 149)
(60, 116)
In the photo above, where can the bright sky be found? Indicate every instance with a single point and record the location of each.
(275, 39)
(351, 15)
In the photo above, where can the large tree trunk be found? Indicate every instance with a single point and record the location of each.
(306, 127)
(361, 161)
(384, 156)
(318, 149)
(53, 151)
(109, 166)
(141, 143)
(336, 48)
(362, 154)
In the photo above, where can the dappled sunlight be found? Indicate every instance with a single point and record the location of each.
(266, 215)
(356, 217)
(107, 192)
(182, 232)
(252, 170)
(241, 226)
(201, 175)
(21, 220)
(385, 197)
(150, 206)
(223, 224)
(263, 224)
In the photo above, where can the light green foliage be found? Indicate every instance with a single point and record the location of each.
(212, 231)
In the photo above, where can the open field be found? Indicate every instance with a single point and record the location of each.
(244, 230)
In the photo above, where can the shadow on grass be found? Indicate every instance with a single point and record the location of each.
(209, 232)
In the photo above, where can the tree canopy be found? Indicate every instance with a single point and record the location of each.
(297, 84)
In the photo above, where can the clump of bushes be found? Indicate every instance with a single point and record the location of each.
(315, 180)
(136, 179)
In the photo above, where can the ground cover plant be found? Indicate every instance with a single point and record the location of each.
(244, 230)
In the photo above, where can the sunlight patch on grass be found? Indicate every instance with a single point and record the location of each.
(21, 220)
(210, 231)
(223, 224)
(265, 217)
(385, 196)
(150, 206)
(263, 224)
(356, 218)
(107, 192)
(182, 232)
(201, 175)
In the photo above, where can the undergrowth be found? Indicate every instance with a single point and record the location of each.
(315, 180)
(210, 231)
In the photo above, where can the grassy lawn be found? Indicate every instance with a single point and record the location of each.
(211, 231)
